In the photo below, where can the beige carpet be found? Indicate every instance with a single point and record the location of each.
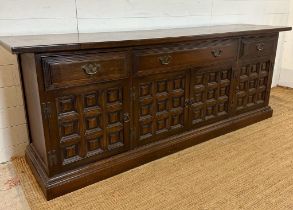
(251, 168)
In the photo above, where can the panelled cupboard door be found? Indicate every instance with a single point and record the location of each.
(210, 94)
(88, 123)
(159, 106)
(253, 84)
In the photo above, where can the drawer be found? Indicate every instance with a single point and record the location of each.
(161, 58)
(252, 47)
(61, 71)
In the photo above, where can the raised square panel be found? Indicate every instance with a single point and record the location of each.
(244, 71)
(263, 81)
(146, 109)
(145, 89)
(114, 117)
(261, 97)
(70, 151)
(199, 88)
(253, 68)
(253, 75)
(115, 139)
(177, 102)
(198, 97)
(198, 79)
(250, 100)
(211, 94)
(114, 95)
(177, 120)
(69, 128)
(223, 91)
(264, 66)
(178, 84)
(244, 78)
(241, 102)
(92, 122)
(197, 115)
(212, 77)
(222, 108)
(91, 100)
(94, 144)
(210, 111)
(145, 130)
(224, 75)
(252, 83)
(66, 104)
(242, 86)
(162, 125)
(162, 105)
(162, 86)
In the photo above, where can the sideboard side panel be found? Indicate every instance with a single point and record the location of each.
(33, 107)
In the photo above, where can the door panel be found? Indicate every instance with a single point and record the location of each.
(210, 94)
(159, 107)
(89, 123)
(253, 84)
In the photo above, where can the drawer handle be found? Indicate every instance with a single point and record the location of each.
(217, 52)
(126, 117)
(260, 46)
(165, 60)
(91, 68)
(187, 103)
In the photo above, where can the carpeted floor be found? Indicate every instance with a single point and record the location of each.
(251, 168)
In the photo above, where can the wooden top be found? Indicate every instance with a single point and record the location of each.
(75, 41)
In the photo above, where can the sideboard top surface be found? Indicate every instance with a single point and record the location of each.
(79, 41)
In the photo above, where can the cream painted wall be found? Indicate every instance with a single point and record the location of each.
(286, 72)
(18, 17)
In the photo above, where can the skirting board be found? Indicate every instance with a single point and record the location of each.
(92, 173)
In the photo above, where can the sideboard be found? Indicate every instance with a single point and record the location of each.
(100, 104)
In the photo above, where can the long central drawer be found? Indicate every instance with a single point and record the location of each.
(161, 58)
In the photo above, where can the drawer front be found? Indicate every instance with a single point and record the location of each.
(252, 47)
(160, 59)
(62, 71)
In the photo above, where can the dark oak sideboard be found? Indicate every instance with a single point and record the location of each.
(100, 104)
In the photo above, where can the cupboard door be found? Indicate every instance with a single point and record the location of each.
(253, 84)
(159, 106)
(210, 94)
(89, 123)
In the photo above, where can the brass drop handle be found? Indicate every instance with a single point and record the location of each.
(217, 53)
(187, 103)
(260, 46)
(165, 60)
(126, 117)
(91, 68)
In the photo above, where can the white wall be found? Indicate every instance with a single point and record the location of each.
(286, 73)
(19, 17)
